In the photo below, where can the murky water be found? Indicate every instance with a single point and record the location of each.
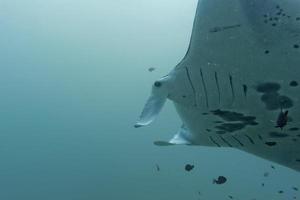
(73, 80)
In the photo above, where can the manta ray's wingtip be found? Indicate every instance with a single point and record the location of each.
(138, 125)
(141, 123)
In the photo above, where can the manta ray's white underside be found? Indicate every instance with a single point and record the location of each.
(241, 71)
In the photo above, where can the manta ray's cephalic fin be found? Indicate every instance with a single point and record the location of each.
(154, 103)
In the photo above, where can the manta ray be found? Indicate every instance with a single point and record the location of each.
(237, 85)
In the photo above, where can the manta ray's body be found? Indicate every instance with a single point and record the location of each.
(238, 78)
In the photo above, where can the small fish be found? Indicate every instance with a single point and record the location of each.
(272, 166)
(282, 119)
(151, 69)
(230, 197)
(266, 174)
(295, 188)
(220, 180)
(263, 184)
(157, 167)
(189, 167)
(280, 192)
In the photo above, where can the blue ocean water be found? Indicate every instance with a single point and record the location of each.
(73, 80)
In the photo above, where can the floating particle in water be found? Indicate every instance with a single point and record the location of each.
(157, 167)
(189, 167)
(295, 188)
(230, 197)
(296, 46)
(280, 192)
(272, 166)
(262, 184)
(220, 180)
(151, 69)
(266, 174)
(267, 51)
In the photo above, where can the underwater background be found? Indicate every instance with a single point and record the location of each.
(73, 80)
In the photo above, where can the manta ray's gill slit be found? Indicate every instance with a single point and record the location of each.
(228, 144)
(191, 83)
(270, 143)
(245, 90)
(237, 140)
(213, 141)
(218, 87)
(204, 87)
(250, 139)
(232, 88)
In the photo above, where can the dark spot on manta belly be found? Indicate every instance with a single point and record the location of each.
(218, 122)
(235, 121)
(233, 116)
(274, 101)
(278, 135)
(253, 123)
(270, 100)
(270, 143)
(285, 101)
(293, 83)
(220, 132)
(231, 127)
(267, 87)
(294, 129)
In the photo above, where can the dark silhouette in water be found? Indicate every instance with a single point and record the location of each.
(282, 119)
(220, 180)
(157, 167)
(189, 167)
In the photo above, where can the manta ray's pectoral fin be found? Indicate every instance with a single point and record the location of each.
(181, 137)
(154, 103)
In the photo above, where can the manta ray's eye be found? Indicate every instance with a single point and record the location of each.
(157, 84)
